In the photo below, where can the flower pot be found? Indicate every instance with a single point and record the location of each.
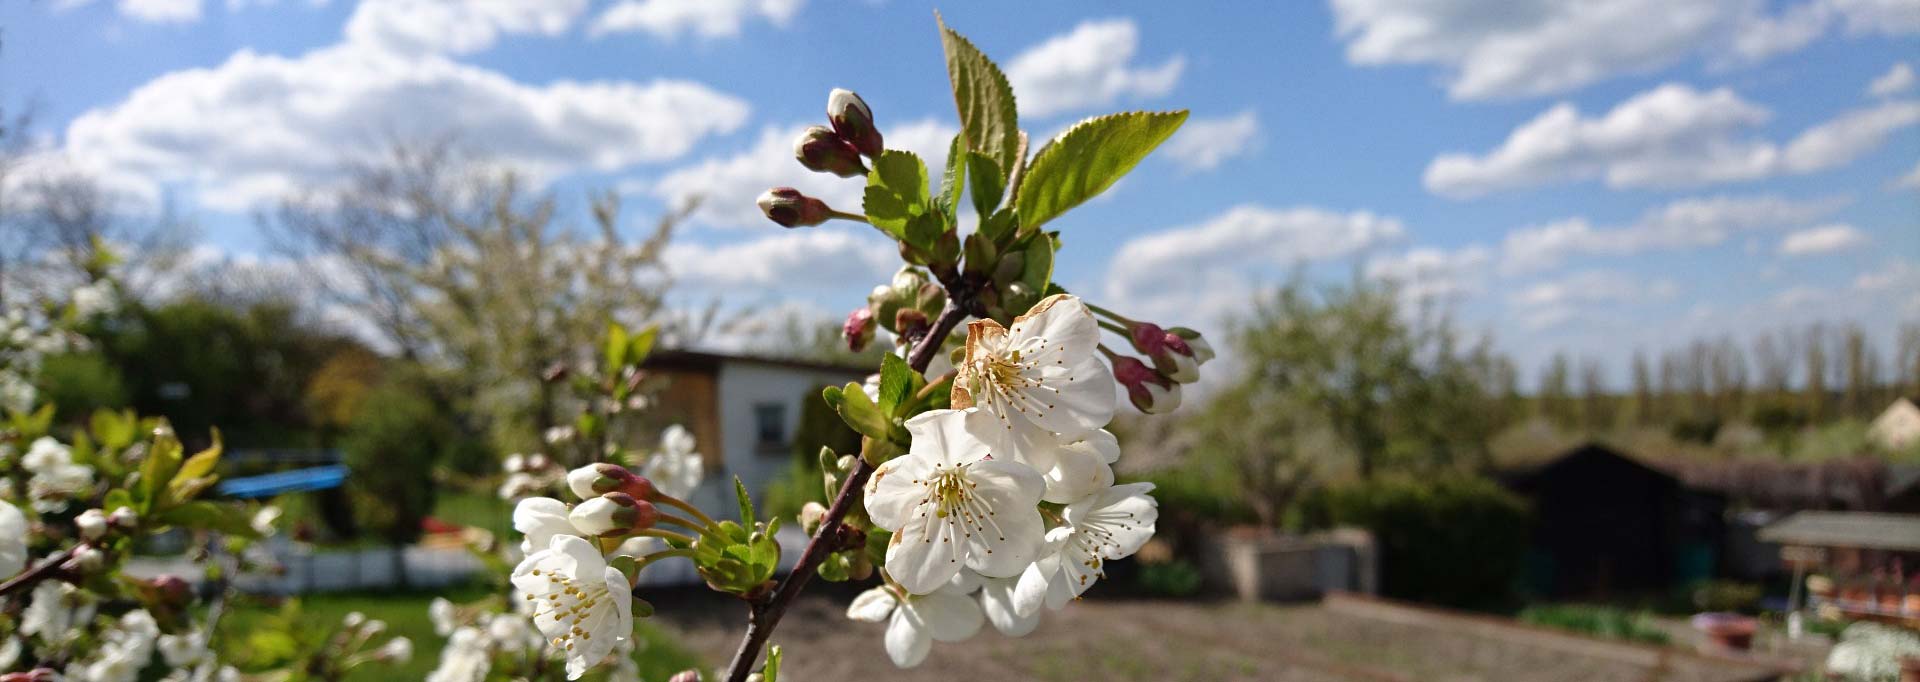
(1910, 669)
(1726, 631)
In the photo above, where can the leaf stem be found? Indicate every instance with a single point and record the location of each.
(1117, 317)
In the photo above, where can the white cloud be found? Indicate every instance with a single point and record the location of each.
(456, 26)
(1090, 66)
(1671, 136)
(1686, 223)
(258, 126)
(816, 259)
(728, 185)
(1896, 274)
(162, 11)
(1823, 239)
(1197, 272)
(1428, 274)
(1911, 180)
(1896, 80)
(1499, 48)
(705, 18)
(1205, 143)
(1594, 286)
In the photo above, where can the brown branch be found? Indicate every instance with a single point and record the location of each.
(762, 618)
(41, 571)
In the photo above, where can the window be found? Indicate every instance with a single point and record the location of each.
(770, 427)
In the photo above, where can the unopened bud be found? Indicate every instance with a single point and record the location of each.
(1148, 389)
(85, 560)
(600, 478)
(823, 151)
(1202, 351)
(612, 514)
(789, 208)
(92, 524)
(853, 121)
(685, 676)
(911, 324)
(34, 675)
(859, 328)
(1147, 337)
(1177, 360)
(812, 514)
(124, 518)
(397, 650)
(171, 589)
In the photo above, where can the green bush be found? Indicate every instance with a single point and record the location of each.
(1449, 540)
(77, 384)
(1195, 491)
(393, 444)
(1600, 621)
(1177, 578)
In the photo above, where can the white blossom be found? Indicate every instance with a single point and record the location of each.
(54, 609)
(464, 659)
(915, 622)
(442, 614)
(540, 519)
(13, 540)
(676, 469)
(950, 505)
(584, 607)
(1111, 524)
(1043, 372)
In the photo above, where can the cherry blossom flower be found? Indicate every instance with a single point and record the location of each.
(13, 540)
(583, 606)
(916, 621)
(1111, 524)
(540, 519)
(1044, 372)
(951, 505)
(676, 469)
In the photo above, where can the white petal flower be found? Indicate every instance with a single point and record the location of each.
(913, 624)
(540, 519)
(465, 658)
(13, 540)
(1044, 372)
(46, 454)
(442, 614)
(183, 649)
(1111, 524)
(676, 469)
(950, 505)
(9, 653)
(1082, 467)
(585, 606)
(996, 600)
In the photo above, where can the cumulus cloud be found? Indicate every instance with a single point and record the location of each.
(146, 11)
(1498, 48)
(258, 126)
(1195, 273)
(793, 261)
(1205, 143)
(727, 185)
(1911, 180)
(1090, 66)
(1583, 295)
(455, 26)
(670, 19)
(1686, 223)
(1896, 80)
(1671, 136)
(1429, 274)
(1823, 239)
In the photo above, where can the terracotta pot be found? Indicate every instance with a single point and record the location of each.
(1730, 631)
(1910, 669)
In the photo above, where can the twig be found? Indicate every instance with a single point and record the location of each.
(40, 571)
(762, 618)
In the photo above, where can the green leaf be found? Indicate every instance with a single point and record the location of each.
(954, 181)
(896, 192)
(616, 350)
(746, 501)
(988, 116)
(116, 430)
(204, 515)
(115, 499)
(1039, 263)
(861, 414)
(163, 459)
(203, 462)
(999, 225)
(1086, 160)
(641, 344)
(771, 673)
(924, 230)
(989, 182)
(896, 383)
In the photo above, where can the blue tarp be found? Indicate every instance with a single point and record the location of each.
(269, 485)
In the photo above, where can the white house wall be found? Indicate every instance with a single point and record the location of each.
(742, 384)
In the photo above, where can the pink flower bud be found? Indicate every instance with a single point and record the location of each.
(859, 329)
(823, 151)
(599, 478)
(92, 524)
(1147, 337)
(35, 675)
(1176, 360)
(685, 676)
(1148, 389)
(788, 207)
(612, 514)
(853, 122)
(171, 589)
(1202, 351)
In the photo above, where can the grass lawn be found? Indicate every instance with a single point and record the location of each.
(406, 614)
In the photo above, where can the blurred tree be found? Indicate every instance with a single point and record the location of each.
(394, 443)
(1555, 397)
(1643, 405)
(1813, 381)
(1251, 439)
(465, 272)
(1596, 402)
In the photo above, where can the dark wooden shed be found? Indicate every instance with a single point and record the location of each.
(1606, 523)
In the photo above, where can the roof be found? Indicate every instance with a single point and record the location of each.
(1898, 532)
(269, 485)
(704, 361)
(1523, 474)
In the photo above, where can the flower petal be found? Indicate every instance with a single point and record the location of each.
(997, 601)
(894, 494)
(949, 615)
(941, 437)
(1078, 470)
(872, 606)
(1124, 515)
(1030, 591)
(926, 552)
(907, 640)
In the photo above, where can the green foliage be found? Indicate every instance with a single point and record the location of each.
(1609, 622)
(1177, 578)
(1086, 160)
(1449, 540)
(988, 117)
(792, 489)
(736, 560)
(1726, 595)
(392, 448)
(1204, 489)
(897, 199)
(79, 383)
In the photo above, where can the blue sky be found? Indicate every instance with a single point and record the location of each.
(1595, 175)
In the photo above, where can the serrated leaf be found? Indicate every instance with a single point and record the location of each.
(115, 430)
(1039, 263)
(641, 345)
(861, 414)
(999, 225)
(896, 192)
(924, 230)
(954, 181)
(988, 116)
(746, 501)
(615, 353)
(896, 383)
(989, 183)
(1086, 160)
(163, 459)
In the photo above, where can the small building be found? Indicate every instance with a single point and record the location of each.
(1606, 523)
(1862, 561)
(1898, 428)
(744, 412)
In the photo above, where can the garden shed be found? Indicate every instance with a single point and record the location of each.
(1606, 523)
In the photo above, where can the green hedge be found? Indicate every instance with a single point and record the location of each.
(1456, 541)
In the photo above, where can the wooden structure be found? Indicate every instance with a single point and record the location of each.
(1868, 564)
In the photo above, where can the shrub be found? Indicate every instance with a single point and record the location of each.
(1176, 578)
(393, 444)
(1451, 540)
(79, 383)
(1600, 621)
